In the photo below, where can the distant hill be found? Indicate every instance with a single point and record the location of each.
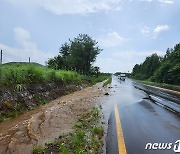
(22, 63)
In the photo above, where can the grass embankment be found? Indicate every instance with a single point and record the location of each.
(93, 79)
(162, 85)
(86, 137)
(28, 74)
(19, 73)
(109, 80)
(17, 76)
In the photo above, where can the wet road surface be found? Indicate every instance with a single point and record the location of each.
(143, 120)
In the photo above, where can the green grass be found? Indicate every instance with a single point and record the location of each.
(86, 137)
(163, 85)
(93, 79)
(19, 74)
(108, 81)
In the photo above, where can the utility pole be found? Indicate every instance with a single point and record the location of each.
(1, 57)
(29, 60)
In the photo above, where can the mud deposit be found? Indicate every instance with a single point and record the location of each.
(27, 97)
(47, 122)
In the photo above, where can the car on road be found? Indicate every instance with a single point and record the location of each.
(122, 77)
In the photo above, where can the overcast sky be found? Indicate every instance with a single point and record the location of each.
(127, 30)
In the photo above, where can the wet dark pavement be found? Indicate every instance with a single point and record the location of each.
(143, 120)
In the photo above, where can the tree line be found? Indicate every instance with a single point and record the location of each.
(78, 55)
(162, 69)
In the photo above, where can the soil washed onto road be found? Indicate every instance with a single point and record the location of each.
(47, 122)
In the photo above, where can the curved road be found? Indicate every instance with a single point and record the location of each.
(142, 121)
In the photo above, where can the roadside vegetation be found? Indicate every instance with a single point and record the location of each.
(160, 69)
(78, 54)
(18, 76)
(94, 79)
(86, 137)
(73, 65)
(162, 85)
(109, 80)
(29, 74)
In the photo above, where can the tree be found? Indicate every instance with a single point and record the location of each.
(95, 71)
(84, 51)
(160, 69)
(56, 63)
(136, 69)
(168, 72)
(79, 54)
(147, 68)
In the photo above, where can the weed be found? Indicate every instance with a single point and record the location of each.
(93, 80)
(17, 105)
(19, 74)
(108, 81)
(38, 150)
(19, 87)
(48, 142)
(63, 149)
(78, 125)
(42, 101)
(86, 137)
(98, 130)
(95, 112)
(79, 139)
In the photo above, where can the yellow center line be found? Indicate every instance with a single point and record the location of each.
(120, 138)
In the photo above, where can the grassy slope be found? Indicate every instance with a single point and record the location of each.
(163, 85)
(18, 75)
(23, 63)
(108, 81)
(25, 73)
(87, 135)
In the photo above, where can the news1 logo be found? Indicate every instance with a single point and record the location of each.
(164, 146)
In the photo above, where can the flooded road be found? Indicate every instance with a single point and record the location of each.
(47, 122)
(142, 119)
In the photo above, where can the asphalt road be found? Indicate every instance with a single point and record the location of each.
(142, 120)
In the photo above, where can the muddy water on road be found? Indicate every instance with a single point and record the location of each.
(46, 122)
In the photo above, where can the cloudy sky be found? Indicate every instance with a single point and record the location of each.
(127, 30)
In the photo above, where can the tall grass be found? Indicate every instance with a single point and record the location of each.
(27, 74)
(94, 79)
(19, 73)
(108, 81)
